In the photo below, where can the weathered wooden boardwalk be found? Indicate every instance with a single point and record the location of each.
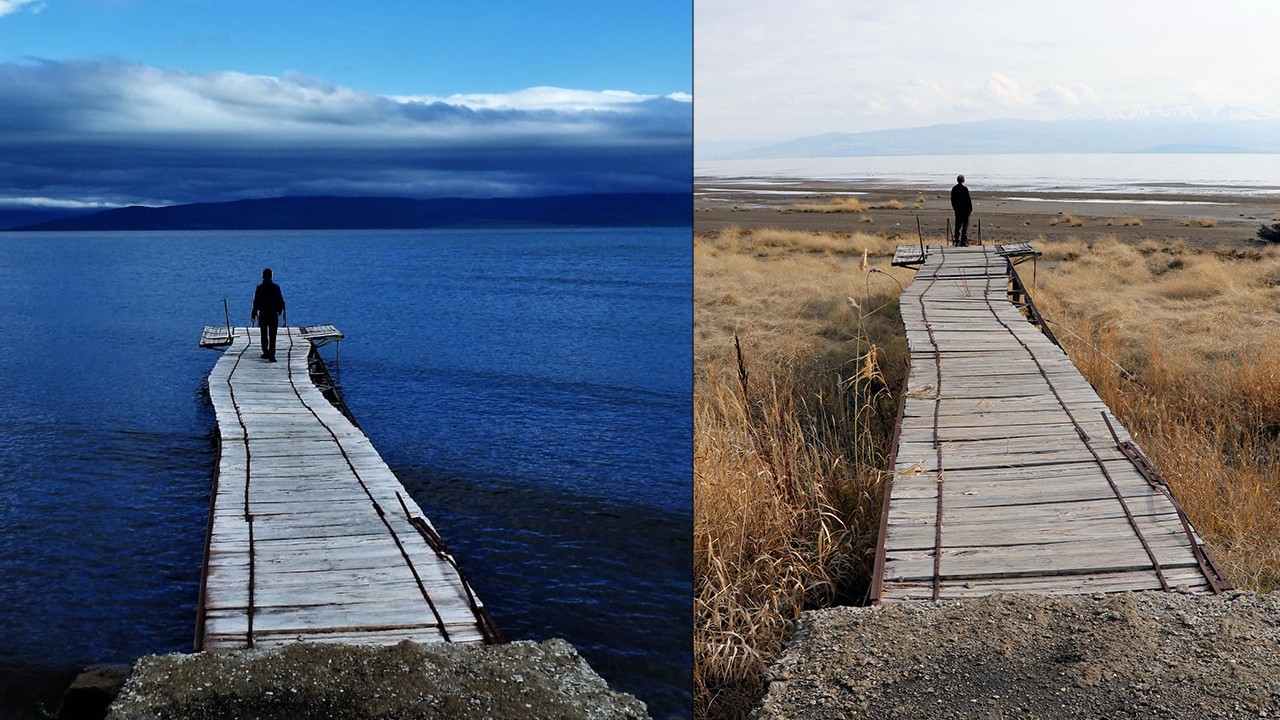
(311, 536)
(1007, 476)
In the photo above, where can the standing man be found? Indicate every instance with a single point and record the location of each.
(963, 207)
(268, 304)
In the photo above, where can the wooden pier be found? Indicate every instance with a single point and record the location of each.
(1010, 474)
(311, 537)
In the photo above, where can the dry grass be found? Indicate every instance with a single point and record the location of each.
(774, 243)
(790, 439)
(1198, 329)
(1204, 222)
(838, 205)
(887, 205)
(1124, 222)
(788, 453)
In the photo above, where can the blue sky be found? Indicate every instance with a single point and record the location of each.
(203, 100)
(404, 47)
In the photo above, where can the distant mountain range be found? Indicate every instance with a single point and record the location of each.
(351, 213)
(997, 137)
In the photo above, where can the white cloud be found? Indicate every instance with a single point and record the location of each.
(1005, 91)
(11, 6)
(540, 98)
(47, 202)
(112, 98)
(762, 72)
(190, 137)
(1058, 95)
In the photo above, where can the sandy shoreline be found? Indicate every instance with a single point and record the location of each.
(1005, 216)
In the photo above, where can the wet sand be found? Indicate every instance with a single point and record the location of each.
(1005, 216)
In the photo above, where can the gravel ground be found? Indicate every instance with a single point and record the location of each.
(519, 680)
(1147, 655)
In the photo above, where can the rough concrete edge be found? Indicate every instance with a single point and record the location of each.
(574, 689)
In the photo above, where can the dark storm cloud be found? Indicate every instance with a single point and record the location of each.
(120, 133)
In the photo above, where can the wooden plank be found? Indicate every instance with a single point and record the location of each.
(1157, 528)
(1126, 581)
(1063, 558)
(1025, 505)
(333, 554)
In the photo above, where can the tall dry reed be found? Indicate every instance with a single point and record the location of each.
(1199, 331)
(797, 343)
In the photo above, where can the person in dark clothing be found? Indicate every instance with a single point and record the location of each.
(963, 207)
(268, 304)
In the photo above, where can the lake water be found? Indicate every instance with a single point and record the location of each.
(530, 388)
(1105, 173)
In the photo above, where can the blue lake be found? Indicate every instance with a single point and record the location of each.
(531, 389)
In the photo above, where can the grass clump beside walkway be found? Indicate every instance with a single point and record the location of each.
(796, 349)
(1199, 332)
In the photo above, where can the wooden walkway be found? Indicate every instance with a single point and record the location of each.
(1007, 477)
(311, 537)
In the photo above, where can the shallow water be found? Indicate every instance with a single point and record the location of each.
(1137, 173)
(530, 388)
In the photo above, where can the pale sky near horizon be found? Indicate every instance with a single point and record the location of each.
(770, 71)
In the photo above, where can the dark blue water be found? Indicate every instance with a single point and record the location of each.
(530, 388)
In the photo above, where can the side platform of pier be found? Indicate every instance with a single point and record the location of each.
(311, 536)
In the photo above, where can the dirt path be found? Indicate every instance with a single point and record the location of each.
(1142, 655)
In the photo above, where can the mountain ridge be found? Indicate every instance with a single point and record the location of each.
(1000, 137)
(374, 213)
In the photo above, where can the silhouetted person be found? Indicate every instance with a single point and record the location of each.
(963, 207)
(268, 304)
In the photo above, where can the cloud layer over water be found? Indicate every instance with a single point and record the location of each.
(121, 133)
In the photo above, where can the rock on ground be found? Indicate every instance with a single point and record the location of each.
(1134, 655)
(92, 692)
(518, 680)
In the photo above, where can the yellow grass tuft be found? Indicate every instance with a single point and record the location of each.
(1204, 222)
(1068, 249)
(791, 433)
(887, 205)
(838, 205)
(791, 436)
(1198, 330)
(772, 242)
